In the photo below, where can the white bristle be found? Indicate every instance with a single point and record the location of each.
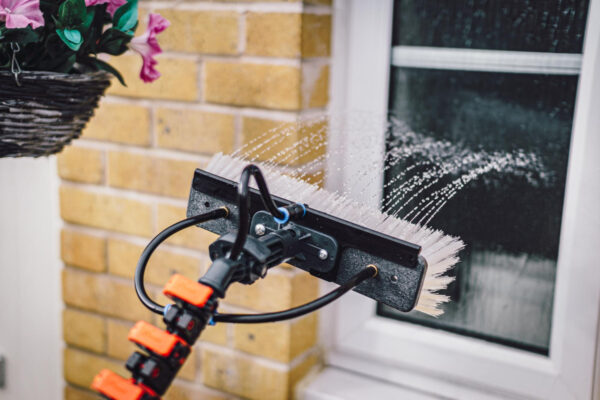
(439, 250)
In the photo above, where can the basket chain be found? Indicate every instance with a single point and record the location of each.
(15, 68)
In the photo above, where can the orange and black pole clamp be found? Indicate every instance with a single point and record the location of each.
(163, 352)
(113, 386)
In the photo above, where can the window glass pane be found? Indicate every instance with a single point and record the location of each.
(510, 216)
(523, 25)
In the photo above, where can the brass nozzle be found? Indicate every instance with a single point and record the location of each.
(372, 266)
(226, 211)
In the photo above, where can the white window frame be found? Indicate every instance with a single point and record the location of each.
(444, 363)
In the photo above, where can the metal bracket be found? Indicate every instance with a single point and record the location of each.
(319, 251)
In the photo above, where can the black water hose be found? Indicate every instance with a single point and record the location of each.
(369, 272)
(243, 204)
(238, 245)
(156, 241)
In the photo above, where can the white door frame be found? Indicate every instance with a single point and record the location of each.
(449, 364)
(30, 318)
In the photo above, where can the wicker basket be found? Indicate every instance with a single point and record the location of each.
(47, 111)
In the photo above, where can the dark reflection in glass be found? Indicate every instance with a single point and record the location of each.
(555, 26)
(505, 281)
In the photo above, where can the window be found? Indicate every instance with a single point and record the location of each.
(549, 359)
(494, 86)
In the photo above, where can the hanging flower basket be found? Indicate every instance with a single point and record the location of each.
(47, 111)
(51, 77)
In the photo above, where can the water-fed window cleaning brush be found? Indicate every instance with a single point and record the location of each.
(385, 258)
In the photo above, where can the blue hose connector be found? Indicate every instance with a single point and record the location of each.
(286, 216)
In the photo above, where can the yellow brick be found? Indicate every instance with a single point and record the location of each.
(301, 370)
(214, 32)
(72, 393)
(105, 211)
(122, 123)
(192, 237)
(180, 391)
(80, 367)
(188, 370)
(118, 299)
(316, 178)
(82, 250)
(282, 341)
(275, 292)
(194, 131)
(117, 344)
(123, 257)
(305, 288)
(316, 35)
(269, 294)
(300, 141)
(315, 85)
(80, 289)
(164, 176)
(258, 85)
(178, 81)
(216, 334)
(84, 330)
(243, 376)
(273, 34)
(102, 294)
(80, 165)
(258, 1)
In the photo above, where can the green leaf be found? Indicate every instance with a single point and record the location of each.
(55, 46)
(125, 18)
(109, 68)
(71, 13)
(71, 37)
(22, 36)
(113, 42)
(66, 65)
(89, 17)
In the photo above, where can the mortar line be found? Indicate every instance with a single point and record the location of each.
(238, 127)
(251, 59)
(242, 34)
(265, 7)
(267, 362)
(171, 154)
(266, 113)
(141, 241)
(129, 194)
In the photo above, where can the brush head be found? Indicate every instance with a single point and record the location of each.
(405, 287)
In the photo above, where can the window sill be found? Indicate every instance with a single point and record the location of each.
(336, 384)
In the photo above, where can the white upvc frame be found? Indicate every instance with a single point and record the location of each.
(30, 286)
(444, 363)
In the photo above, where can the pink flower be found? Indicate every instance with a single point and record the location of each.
(113, 5)
(20, 13)
(147, 46)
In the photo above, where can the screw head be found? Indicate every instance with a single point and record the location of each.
(323, 254)
(260, 229)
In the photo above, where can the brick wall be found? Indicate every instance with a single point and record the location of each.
(231, 70)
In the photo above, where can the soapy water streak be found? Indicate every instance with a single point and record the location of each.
(434, 171)
(450, 166)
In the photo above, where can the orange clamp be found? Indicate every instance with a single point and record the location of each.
(192, 292)
(116, 387)
(154, 339)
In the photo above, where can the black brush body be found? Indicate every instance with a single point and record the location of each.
(349, 247)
